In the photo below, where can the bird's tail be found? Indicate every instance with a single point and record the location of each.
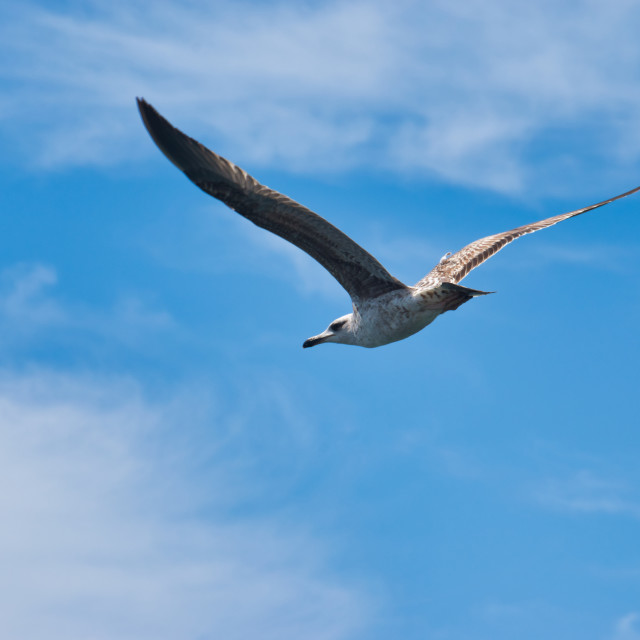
(472, 293)
(455, 295)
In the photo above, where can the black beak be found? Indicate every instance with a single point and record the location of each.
(312, 342)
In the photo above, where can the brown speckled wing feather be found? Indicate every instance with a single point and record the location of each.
(356, 270)
(454, 268)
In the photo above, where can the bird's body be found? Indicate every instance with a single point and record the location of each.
(398, 314)
(384, 309)
(395, 316)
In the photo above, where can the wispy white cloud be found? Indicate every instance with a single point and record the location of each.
(467, 93)
(114, 525)
(450, 460)
(627, 628)
(23, 295)
(28, 305)
(587, 492)
(592, 254)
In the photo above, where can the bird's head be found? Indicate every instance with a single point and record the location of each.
(340, 330)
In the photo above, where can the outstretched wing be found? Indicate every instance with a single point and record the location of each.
(454, 268)
(356, 270)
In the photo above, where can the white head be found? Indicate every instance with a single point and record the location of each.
(341, 330)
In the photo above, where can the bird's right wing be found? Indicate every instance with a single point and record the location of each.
(454, 268)
(356, 270)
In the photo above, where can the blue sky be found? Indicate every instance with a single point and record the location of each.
(174, 466)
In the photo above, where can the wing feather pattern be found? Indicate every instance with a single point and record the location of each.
(356, 270)
(454, 268)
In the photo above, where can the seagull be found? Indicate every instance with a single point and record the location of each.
(385, 310)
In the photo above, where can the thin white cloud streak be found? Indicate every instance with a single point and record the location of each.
(28, 306)
(108, 531)
(586, 492)
(22, 297)
(469, 93)
(626, 627)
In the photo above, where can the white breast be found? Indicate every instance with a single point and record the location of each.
(391, 317)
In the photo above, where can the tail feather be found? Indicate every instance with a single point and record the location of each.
(457, 295)
(472, 293)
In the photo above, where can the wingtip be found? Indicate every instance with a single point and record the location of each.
(144, 107)
(154, 123)
(149, 113)
(184, 152)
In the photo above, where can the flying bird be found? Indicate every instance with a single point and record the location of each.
(384, 309)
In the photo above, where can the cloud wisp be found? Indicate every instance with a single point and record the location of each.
(28, 308)
(471, 95)
(108, 531)
(626, 627)
(588, 493)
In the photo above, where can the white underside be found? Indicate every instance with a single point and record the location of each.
(391, 317)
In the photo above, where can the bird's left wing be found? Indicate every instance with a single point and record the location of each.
(356, 270)
(454, 268)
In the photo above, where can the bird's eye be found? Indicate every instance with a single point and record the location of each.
(336, 326)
